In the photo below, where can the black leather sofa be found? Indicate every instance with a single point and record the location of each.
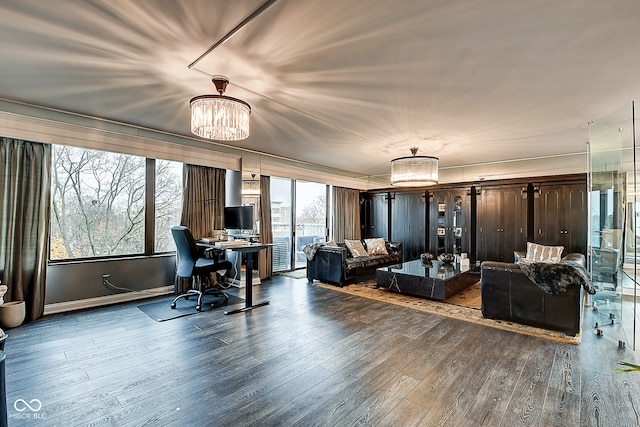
(508, 294)
(334, 265)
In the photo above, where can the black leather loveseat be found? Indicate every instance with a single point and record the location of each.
(509, 294)
(334, 264)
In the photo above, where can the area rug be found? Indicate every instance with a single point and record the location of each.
(295, 274)
(464, 306)
(161, 310)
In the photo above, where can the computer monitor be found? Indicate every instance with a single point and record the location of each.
(238, 217)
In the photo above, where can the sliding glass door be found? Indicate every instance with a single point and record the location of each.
(311, 217)
(299, 217)
(282, 222)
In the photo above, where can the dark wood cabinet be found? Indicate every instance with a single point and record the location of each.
(375, 213)
(501, 222)
(560, 215)
(489, 220)
(450, 221)
(408, 223)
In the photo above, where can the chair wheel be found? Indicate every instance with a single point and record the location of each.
(198, 308)
(173, 305)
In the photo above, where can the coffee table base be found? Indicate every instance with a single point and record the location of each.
(426, 287)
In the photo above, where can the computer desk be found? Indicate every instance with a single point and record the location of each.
(248, 299)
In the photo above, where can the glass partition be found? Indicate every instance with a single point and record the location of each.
(613, 233)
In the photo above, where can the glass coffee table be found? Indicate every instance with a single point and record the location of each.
(438, 282)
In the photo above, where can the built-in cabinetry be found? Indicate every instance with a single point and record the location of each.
(408, 222)
(501, 221)
(450, 221)
(489, 220)
(375, 215)
(560, 210)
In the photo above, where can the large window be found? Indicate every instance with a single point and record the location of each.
(168, 207)
(99, 202)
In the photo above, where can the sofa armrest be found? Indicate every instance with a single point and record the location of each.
(575, 257)
(500, 266)
(328, 265)
(394, 247)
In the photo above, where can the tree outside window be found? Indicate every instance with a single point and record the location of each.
(98, 203)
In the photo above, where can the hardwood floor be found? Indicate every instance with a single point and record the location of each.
(311, 357)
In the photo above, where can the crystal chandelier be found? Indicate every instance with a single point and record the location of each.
(414, 171)
(220, 117)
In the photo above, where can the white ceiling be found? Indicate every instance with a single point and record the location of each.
(344, 84)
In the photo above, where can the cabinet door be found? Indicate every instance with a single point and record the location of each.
(561, 216)
(548, 215)
(574, 230)
(502, 223)
(489, 209)
(514, 222)
(379, 216)
(408, 218)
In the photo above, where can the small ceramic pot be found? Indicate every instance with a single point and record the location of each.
(12, 314)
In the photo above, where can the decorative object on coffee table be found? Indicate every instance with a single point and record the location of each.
(447, 257)
(426, 259)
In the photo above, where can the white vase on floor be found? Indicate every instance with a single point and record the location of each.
(12, 314)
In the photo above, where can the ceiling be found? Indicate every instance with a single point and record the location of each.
(342, 84)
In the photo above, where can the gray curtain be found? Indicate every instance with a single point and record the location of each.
(346, 214)
(25, 201)
(203, 200)
(265, 260)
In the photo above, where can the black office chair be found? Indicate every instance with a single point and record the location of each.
(192, 264)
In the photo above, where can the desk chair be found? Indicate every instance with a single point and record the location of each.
(192, 264)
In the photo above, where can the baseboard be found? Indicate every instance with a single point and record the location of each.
(62, 307)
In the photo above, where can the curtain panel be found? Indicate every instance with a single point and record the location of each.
(265, 257)
(346, 214)
(25, 204)
(203, 200)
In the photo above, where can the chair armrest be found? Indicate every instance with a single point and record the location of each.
(209, 251)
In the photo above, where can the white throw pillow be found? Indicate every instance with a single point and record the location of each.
(542, 253)
(376, 246)
(355, 248)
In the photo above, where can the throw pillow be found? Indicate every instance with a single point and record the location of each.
(542, 253)
(376, 246)
(332, 244)
(355, 248)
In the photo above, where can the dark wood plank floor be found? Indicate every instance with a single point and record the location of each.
(312, 357)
